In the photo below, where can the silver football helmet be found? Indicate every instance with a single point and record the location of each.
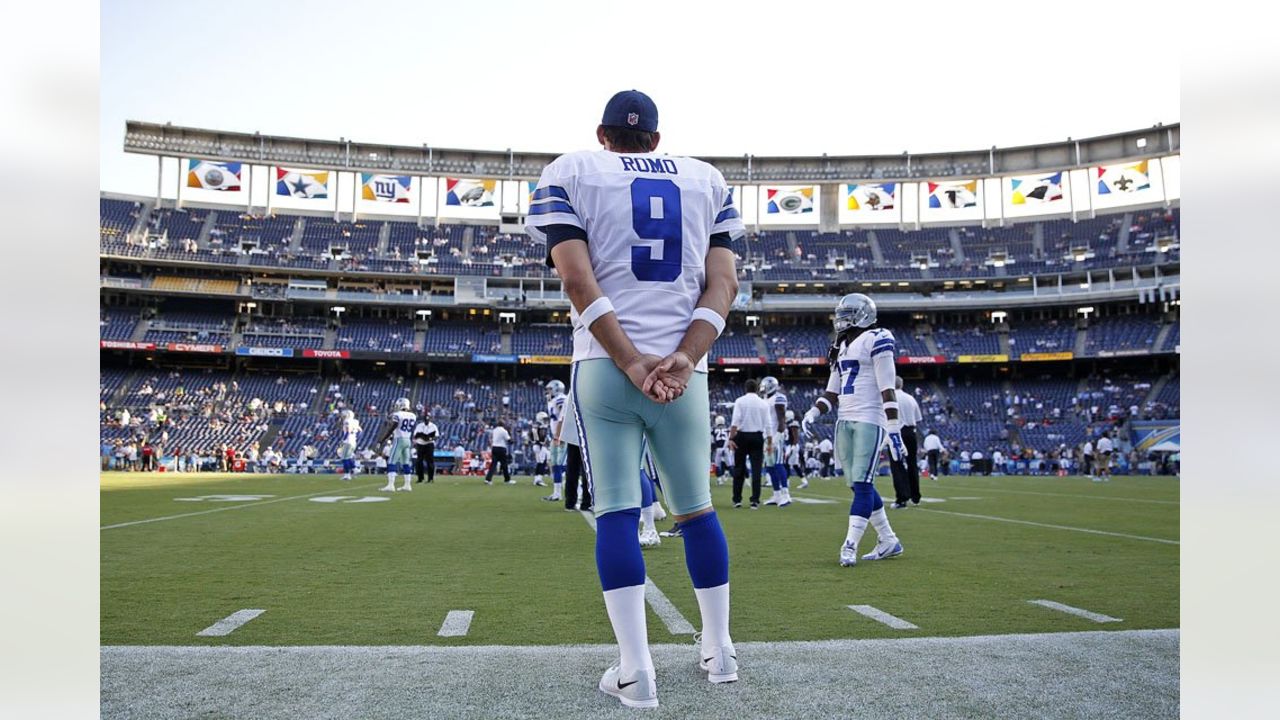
(791, 415)
(541, 417)
(404, 404)
(768, 385)
(554, 388)
(719, 421)
(854, 310)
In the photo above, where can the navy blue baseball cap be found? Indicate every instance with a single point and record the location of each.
(631, 110)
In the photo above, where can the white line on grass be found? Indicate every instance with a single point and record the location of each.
(881, 616)
(662, 607)
(1064, 495)
(1054, 527)
(1088, 615)
(813, 501)
(223, 509)
(230, 623)
(1047, 525)
(668, 613)
(456, 623)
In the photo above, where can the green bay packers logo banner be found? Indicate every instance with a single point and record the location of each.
(871, 198)
(385, 188)
(208, 175)
(302, 184)
(795, 200)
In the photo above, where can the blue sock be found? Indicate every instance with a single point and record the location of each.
(781, 470)
(618, 557)
(646, 490)
(557, 474)
(406, 469)
(876, 501)
(773, 477)
(863, 500)
(706, 553)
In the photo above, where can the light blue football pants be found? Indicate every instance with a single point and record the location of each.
(614, 418)
(858, 446)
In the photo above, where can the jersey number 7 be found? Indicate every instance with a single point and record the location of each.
(851, 367)
(656, 214)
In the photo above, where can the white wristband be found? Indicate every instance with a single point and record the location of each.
(595, 311)
(711, 317)
(891, 404)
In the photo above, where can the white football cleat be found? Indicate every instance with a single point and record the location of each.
(389, 488)
(539, 483)
(649, 538)
(346, 477)
(885, 550)
(407, 487)
(658, 512)
(804, 483)
(773, 499)
(637, 691)
(720, 664)
(848, 555)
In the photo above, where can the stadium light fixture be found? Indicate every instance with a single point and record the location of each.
(338, 309)
(732, 370)
(1142, 142)
(998, 316)
(1086, 311)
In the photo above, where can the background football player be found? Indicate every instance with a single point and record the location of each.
(399, 427)
(347, 448)
(775, 452)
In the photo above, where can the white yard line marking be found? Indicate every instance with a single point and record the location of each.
(230, 623)
(456, 623)
(881, 616)
(223, 509)
(813, 501)
(669, 614)
(1088, 615)
(1054, 527)
(1064, 495)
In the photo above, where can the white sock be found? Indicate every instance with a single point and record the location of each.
(555, 489)
(880, 520)
(713, 603)
(391, 479)
(857, 526)
(537, 478)
(627, 615)
(407, 480)
(646, 518)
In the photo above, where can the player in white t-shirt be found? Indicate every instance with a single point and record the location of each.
(1102, 457)
(399, 426)
(643, 243)
(862, 382)
(347, 447)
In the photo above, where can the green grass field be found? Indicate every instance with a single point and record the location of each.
(386, 573)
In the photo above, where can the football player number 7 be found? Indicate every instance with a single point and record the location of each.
(656, 215)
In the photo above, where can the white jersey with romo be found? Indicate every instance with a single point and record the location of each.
(648, 219)
(863, 369)
(405, 423)
(555, 410)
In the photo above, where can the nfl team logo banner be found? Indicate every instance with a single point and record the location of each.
(208, 175)
(469, 193)
(789, 200)
(953, 195)
(871, 197)
(1129, 178)
(303, 184)
(1035, 189)
(385, 188)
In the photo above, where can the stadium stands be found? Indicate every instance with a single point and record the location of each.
(444, 337)
(383, 335)
(974, 340)
(1050, 336)
(1121, 334)
(542, 340)
(117, 324)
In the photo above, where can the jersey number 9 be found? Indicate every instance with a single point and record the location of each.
(656, 215)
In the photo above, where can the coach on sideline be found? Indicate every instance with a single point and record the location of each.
(906, 478)
(751, 417)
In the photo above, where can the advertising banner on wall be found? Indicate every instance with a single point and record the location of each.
(265, 352)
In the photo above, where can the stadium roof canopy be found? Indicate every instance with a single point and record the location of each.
(166, 140)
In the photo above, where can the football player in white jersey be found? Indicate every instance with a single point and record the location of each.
(556, 398)
(862, 385)
(775, 444)
(347, 448)
(539, 436)
(793, 450)
(399, 426)
(721, 458)
(643, 244)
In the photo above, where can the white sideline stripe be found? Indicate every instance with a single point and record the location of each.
(230, 623)
(881, 616)
(1054, 527)
(456, 623)
(1088, 615)
(669, 614)
(813, 501)
(221, 509)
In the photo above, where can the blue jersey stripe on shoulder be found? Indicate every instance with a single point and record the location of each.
(878, 350)
(550, 191)
(727, 214)
(551, 207)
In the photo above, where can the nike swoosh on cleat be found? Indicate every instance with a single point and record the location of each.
(622, 685)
